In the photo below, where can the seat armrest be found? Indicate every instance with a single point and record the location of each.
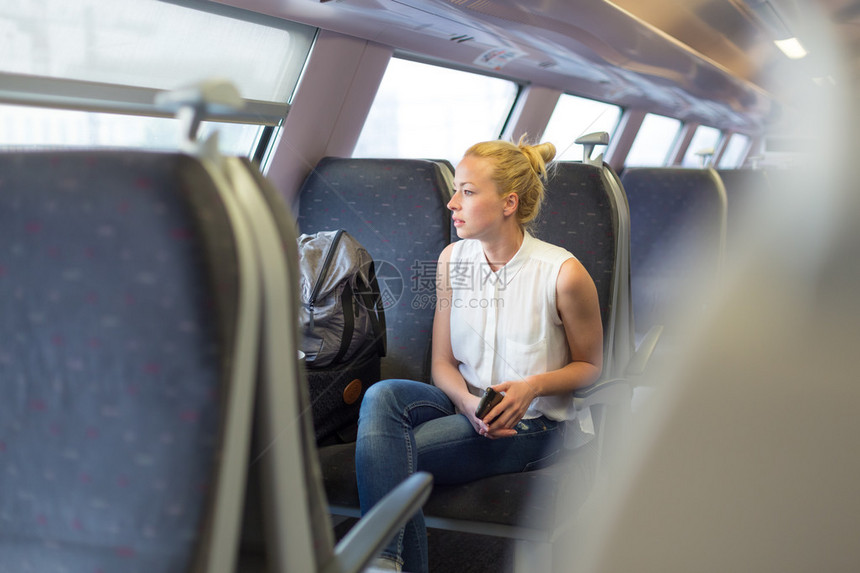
(604, 391)
(639, 360)
(376, 528)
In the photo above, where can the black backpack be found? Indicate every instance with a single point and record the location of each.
(341, 315)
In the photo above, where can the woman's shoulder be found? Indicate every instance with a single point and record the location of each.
(574, 279)
(547, 251)
(445, 255)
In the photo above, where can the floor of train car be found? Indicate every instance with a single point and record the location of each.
(455, 552)
(449, 552)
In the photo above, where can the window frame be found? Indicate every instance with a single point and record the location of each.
(741, 156)
(690, 158)
(612, 134)
(450, 66)
(127, 100)
(667, 159)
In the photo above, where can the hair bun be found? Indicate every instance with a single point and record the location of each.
(539, 155)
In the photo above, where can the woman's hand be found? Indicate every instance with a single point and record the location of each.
(467, 407)
(500, 421)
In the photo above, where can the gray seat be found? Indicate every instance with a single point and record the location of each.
(677, 226)
(297, 532)
(397, 210)
(132, 301)
(746, 460)
(130, 311)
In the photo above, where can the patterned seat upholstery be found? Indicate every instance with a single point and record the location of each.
(580, 215)
(677, 225)
(118, 296)
(397, 209)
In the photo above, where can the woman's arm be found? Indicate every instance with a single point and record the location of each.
(579, 309)
(444, 367)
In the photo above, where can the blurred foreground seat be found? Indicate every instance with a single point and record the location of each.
(130, 309)
(142, 296)
(746, 458)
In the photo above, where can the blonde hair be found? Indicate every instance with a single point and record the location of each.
(519, 168)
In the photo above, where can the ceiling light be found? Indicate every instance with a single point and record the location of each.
(791, 47)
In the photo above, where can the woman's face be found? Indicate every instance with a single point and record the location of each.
(477, 208)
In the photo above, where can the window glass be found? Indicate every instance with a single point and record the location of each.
(653, 142)
(33, 127)
(575, 116)
(735, 152)
(153, 44)
(425, 111)
(705, 139)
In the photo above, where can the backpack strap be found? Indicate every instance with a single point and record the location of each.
(377, 319)
(348, 320)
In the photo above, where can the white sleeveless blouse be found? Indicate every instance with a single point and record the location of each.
(505, 324)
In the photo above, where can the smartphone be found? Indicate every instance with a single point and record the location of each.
(488, 400)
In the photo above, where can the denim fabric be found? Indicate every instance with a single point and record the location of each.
(406, 426)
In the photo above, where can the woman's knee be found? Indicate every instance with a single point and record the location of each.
(382, 390)
(383, 394)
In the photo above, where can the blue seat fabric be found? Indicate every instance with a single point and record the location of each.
(579, 216)
(115, 324)
(676, 221)
(397, 210)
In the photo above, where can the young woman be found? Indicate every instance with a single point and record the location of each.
(512, 313)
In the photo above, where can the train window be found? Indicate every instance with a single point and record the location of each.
(705, 139)
(653, 141)
(421, 110)
(57, 128)
(574, 116)
(150, 43)
(94, 68)
(735, 153)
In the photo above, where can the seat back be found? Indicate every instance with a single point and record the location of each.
(619, 340)
(299, 531)
(580, 214)
(397, 209)
(746, 458)
(677, 225)
(127, 362)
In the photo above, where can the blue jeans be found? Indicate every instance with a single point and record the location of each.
(406, 426)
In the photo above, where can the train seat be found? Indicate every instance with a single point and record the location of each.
(581, 213)
(127, 353)
(564, 221)
(397, 209)
(136, 322)
(285, 491)
(748, 462)
(677, 243)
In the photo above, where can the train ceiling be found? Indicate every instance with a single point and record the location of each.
(702, 60)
